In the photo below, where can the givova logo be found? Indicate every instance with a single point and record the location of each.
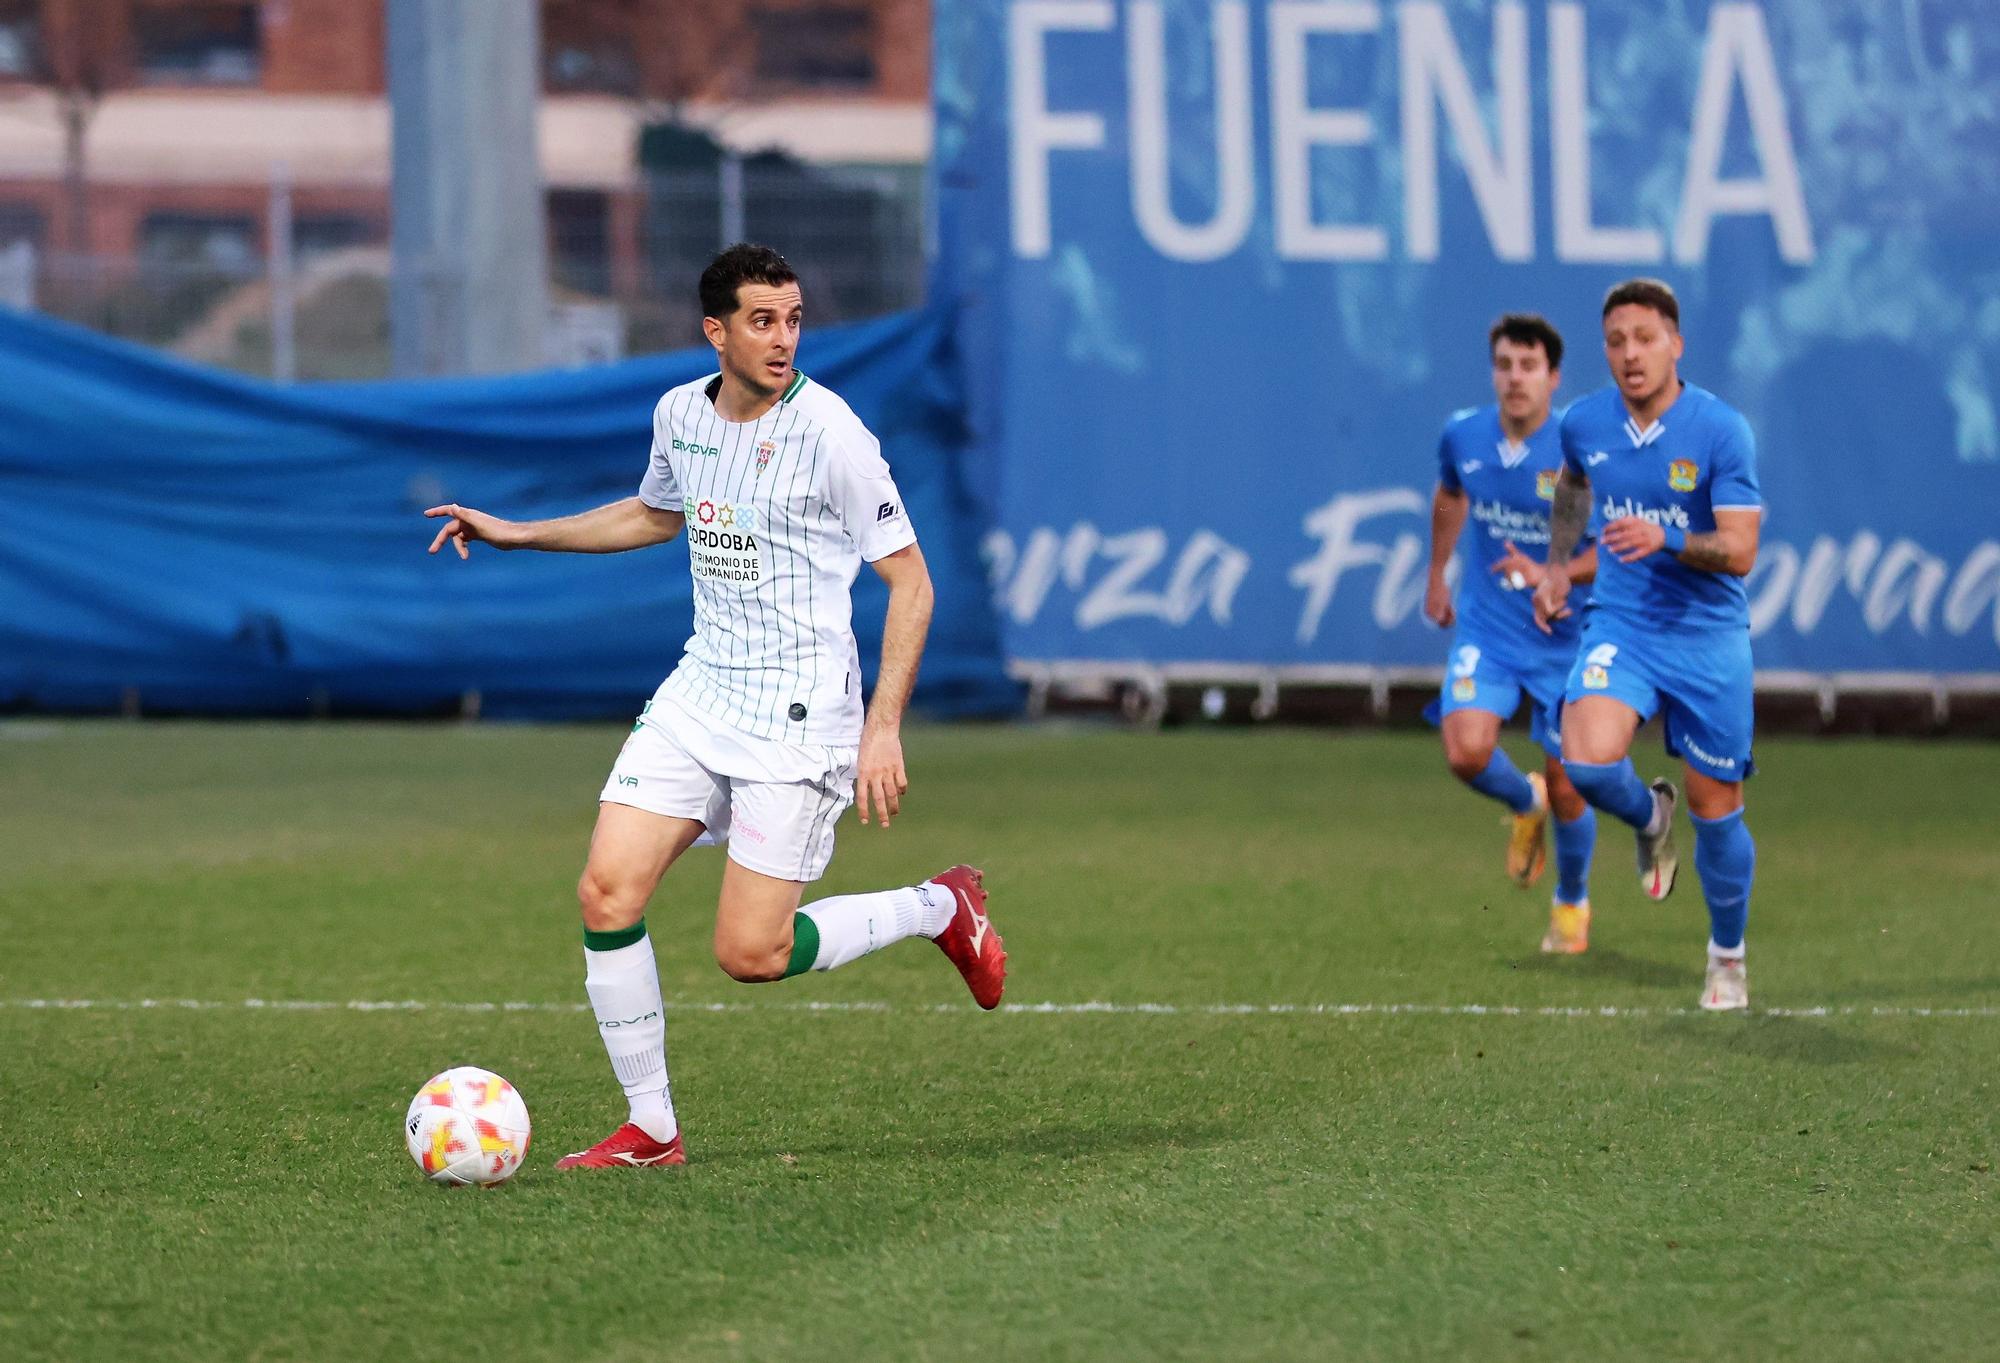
(690, 447)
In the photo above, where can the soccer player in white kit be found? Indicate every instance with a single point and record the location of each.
(758, 739)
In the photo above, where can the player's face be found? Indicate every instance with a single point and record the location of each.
(1642, 348)
(758, 342)
(1523, 381)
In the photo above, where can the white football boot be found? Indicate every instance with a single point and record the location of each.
(1727, 989)
(1658, 862)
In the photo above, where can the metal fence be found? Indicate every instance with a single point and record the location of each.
(855, 235)
(320, 310)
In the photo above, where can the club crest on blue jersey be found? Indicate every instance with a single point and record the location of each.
(1545, 485)
(1596, 678)
(1464, 689)
(1681, 475)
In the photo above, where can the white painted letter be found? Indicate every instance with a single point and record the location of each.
(1333, 525)
(1770, 584)
(1738, 46)
(1400, 588)
(1433, 73)
(1152, 177)
(1578, 239)
(1907, 578)
(1033, 130)
(1977, 588)
(1296, 128)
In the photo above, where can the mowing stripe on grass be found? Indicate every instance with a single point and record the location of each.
(1505, 1010)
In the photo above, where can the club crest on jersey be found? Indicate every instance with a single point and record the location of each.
(1464, 689)
(1681, 475)
(765, 449)
(1545, 485)
(1595, 678)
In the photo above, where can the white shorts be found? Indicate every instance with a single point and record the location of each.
(775, 804)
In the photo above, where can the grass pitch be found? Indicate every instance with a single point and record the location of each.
(920, 1181)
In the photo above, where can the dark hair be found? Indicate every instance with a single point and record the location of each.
(741, 264)
(1646, 293)
(1528, 328)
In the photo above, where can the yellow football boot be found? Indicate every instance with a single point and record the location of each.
(1569, 930)
(1528, 842)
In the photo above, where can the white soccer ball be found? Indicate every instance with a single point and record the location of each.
(467, 1125)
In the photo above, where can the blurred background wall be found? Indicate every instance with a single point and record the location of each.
(148, 147)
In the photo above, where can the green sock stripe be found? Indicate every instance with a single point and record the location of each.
(805, 945)
(611, 941)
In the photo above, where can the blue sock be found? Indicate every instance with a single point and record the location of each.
(1574, 841)
(1614, 788)
(1502, 780)
(1726, 859)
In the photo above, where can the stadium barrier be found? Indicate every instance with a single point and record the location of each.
(181, 540)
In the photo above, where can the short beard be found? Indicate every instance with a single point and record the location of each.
(1652, 395)
(753, 379)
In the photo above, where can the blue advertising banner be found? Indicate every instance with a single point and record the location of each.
(1227, 266)
(214, 544)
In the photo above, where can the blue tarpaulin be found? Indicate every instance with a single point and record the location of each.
(215, 544)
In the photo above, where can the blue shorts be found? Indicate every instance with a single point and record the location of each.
(1480, 678)
(1699, 684)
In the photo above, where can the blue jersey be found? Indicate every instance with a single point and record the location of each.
(1511, 487)
(1696, 460)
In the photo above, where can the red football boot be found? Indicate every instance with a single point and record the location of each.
(629, 1147)
(970, 941)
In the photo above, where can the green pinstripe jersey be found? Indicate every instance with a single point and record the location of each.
(781, 513)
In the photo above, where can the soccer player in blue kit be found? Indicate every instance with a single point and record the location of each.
(1497, 467)
(1671, 474)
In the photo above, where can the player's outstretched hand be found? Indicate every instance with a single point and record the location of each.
(1551, 599)
(1632, 539)
(1437, 602)
(1517, 570)
(463, 525)
(882, 780)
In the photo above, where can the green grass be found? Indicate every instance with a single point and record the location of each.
(926, 1182)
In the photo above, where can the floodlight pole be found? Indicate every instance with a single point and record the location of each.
(282, 280)
(469, 289)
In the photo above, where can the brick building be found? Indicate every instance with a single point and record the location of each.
(154, 128)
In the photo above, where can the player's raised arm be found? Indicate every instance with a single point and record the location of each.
(1730, 548)
(1448, 510)
(1569, 517)
(882, 779)
(609, 529)
(1737, 503)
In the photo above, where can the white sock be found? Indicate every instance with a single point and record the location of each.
(940, 905)
(624, 989)
(1718, 955)
(1659, 819)
(853, 925)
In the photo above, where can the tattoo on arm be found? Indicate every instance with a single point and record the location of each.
(1709, 552)
(1569, 517)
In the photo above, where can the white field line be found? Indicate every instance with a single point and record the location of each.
(1246, 1010)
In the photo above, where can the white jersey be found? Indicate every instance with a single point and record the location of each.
(781, 511)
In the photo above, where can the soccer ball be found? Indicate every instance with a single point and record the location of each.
(467, 1125)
